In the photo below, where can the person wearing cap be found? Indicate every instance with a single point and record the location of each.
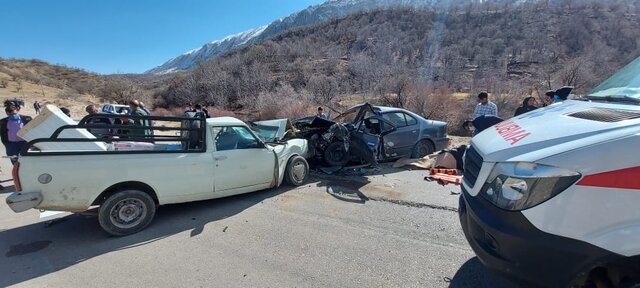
(9, 128)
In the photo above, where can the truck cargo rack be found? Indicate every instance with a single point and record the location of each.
(180, 134)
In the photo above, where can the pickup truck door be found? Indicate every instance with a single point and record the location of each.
(241, 160)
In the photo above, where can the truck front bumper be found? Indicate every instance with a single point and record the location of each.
(23, 201)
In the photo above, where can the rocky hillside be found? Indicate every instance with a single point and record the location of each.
(312, 15)
(422, 59)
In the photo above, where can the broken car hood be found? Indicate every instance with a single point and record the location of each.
(555, 129)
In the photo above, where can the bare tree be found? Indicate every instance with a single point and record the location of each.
(120, 90)
(323, 88)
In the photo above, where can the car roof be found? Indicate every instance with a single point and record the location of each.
(225, 121)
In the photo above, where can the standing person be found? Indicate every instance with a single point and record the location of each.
(106, 121)
(137, 111)
(37, 107)
(485, 107)
(198, 108)
(528, 104)
(9, 128)
(320, 113)
(189, 107)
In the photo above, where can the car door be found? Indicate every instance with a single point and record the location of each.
(242, 162)
(400, 142)
(373, 131)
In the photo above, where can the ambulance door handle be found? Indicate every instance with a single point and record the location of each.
(219, 158)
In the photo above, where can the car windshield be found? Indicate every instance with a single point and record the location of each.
(623, 85)
(268, 134)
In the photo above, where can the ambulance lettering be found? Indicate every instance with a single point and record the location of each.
(511, 132)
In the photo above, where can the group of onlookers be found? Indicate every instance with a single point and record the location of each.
(486, 112)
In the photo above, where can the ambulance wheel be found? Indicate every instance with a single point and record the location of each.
(423, 148)
(126, 212)
(296, 171)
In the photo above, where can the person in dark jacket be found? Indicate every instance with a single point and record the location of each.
(528, 104)
(9, 128)
(484, 122)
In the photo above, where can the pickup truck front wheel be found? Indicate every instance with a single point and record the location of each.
(126, 212)
(296, 171)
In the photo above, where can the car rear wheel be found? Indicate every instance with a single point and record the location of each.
(422, 148)
(126, 212)
(296, 171)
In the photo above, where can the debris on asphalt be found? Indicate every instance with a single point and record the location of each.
(330, 170)
(225, 229)
(425, 162)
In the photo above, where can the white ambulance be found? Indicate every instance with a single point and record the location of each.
(552, 197)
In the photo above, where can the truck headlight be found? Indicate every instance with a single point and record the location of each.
(517, 186)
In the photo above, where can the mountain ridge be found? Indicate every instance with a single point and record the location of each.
(312, 15)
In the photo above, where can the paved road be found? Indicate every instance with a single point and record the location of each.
(391, 229)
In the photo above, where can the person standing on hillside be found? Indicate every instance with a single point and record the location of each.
(485, 107)
(320, 113)
(9, 128)
(37, 107)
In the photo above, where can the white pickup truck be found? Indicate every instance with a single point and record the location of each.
(220, 157)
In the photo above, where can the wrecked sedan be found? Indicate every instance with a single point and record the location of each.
(366, 134)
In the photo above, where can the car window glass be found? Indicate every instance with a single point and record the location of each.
(410, 120)
(232, 138)
(396, 119)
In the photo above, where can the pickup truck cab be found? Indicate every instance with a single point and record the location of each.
(551, 196)
(218, 157)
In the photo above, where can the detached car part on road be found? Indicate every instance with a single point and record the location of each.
(551, 196)
(208, 158)
(365, 134)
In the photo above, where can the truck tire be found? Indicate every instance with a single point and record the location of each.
(126, 212)
(423, 148)
(335, 155)
(296, 171)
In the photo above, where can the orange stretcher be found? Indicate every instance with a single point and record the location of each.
(434, 171)
(444, 179)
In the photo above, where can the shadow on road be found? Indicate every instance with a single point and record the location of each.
(42, 248)
(473, 274)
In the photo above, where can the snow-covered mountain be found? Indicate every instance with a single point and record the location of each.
(311, 15)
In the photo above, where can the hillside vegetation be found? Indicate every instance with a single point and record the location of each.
(425, 60)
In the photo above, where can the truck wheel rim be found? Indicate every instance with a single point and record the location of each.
(128, 213)
(298, 171)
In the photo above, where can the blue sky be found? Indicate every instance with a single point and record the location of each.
(120, 36)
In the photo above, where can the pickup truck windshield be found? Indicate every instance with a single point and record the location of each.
(622, 86)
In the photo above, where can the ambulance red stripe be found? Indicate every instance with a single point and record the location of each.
(628, 178)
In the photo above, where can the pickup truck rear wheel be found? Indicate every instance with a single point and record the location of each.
(126, 212)
(296, 171)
